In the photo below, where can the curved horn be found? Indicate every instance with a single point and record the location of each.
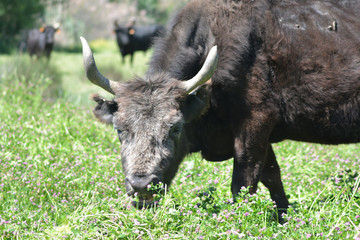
(205, 72)
(91, 70)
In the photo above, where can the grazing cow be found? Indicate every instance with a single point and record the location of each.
(132, 38)
(285, 70)
(40, 42)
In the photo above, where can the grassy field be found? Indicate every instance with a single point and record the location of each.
(61, 177)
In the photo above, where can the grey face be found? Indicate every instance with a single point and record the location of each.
(150, 126)
(151, 121)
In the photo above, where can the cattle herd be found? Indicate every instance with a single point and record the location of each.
(228, 78)
(130, 38)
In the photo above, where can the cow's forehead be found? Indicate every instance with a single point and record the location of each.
(149, 105)
(142, 116)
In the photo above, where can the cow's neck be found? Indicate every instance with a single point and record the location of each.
(211, 136)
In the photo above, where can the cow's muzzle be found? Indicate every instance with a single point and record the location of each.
(142, 183)
(145, 187)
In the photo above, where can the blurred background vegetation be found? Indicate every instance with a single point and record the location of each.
(91, 18)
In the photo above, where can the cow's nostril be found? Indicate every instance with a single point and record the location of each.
(140, 183)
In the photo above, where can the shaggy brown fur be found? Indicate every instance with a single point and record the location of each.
(282, 73)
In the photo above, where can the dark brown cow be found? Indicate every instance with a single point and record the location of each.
(285, 70)
(132, 38)
(40, 42)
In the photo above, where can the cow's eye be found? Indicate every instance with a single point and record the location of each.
(175, 130)
(119, 132)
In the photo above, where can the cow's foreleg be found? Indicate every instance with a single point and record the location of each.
(254, 161)
(248, 163)
(271, 178)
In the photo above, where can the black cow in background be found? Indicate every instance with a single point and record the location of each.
(40, 42)
(132, 38)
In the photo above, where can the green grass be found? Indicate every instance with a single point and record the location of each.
(61, 175)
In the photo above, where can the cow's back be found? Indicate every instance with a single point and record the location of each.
(296, 61)
(315, 58)
(144, 37)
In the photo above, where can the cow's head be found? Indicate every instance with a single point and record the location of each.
(124, 33)
(150, 116)
(49, 32)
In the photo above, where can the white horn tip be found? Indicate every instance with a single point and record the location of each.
(212, 56)
(83, 40)
(86, 49)
(205, 73)
(213, 50)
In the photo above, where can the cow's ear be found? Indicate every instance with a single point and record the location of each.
(105, 109)
(131, 31)
(58, 30)
(196, 104)
(41, 29)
